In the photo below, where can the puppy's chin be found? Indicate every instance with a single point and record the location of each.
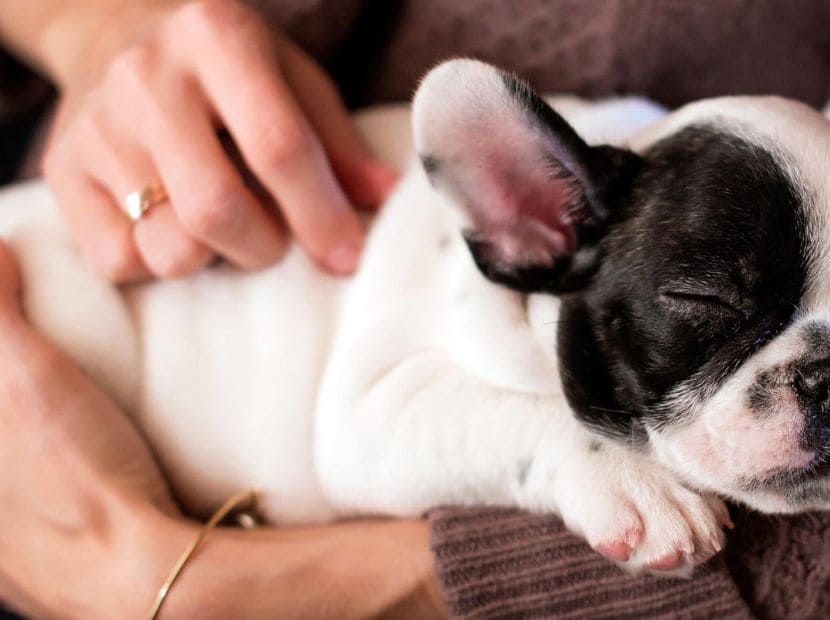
(798, 485)
(758, 462)
(801, 497)
(790, 490)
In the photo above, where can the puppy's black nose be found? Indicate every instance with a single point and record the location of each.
(812, 384)
(812, 387)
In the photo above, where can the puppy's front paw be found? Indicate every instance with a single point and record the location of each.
(640, 516)
(666, 530)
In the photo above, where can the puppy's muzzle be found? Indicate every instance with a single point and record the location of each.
(811, 383)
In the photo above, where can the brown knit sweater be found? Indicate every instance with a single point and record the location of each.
(506, 564)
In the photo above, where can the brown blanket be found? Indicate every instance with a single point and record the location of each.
(506, 564)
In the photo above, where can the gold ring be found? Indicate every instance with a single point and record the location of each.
(137, 203)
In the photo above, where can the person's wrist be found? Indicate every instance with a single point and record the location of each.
(302, 572)
(111, 565)
(117, 568)
(76, 43)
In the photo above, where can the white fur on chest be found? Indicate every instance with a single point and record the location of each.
(310, 388)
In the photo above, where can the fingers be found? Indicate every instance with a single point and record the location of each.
(101, 229)
(281, 148)
(163, 247)
(166, 248)
(97, 223)
(209, 196)
(366, 180)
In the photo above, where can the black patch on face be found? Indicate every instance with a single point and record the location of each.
(703, 264)
(595, 446)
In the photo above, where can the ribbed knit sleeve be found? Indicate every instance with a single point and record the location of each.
(495, 563)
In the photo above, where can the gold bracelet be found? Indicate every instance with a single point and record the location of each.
(243, 498)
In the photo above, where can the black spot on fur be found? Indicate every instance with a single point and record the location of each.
(430, 164)
(523, 469)
(595, 446)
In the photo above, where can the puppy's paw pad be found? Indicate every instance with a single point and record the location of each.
(617, 551)
(672, 561)
(620, 550)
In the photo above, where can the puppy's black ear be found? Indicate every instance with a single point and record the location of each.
(537, 198)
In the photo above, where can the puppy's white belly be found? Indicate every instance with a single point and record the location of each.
(231, 368)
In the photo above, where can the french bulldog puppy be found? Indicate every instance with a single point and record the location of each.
(618, 334)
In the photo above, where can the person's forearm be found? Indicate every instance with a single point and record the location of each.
(349, 570)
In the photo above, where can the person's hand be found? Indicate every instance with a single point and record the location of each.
(71, 466)
(147, 87)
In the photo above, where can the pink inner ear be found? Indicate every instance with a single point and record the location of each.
(499, 160)
(522, 210)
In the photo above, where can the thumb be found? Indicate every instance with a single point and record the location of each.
(365, 179)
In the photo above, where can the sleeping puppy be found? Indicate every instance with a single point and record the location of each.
(620, 335)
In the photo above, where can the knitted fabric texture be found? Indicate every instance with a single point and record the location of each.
(496, 563)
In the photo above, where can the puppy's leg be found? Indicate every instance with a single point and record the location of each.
(426, 433)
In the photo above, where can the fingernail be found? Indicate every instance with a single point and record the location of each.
(344, 259)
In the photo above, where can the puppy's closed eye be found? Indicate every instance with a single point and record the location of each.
(698, 306)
